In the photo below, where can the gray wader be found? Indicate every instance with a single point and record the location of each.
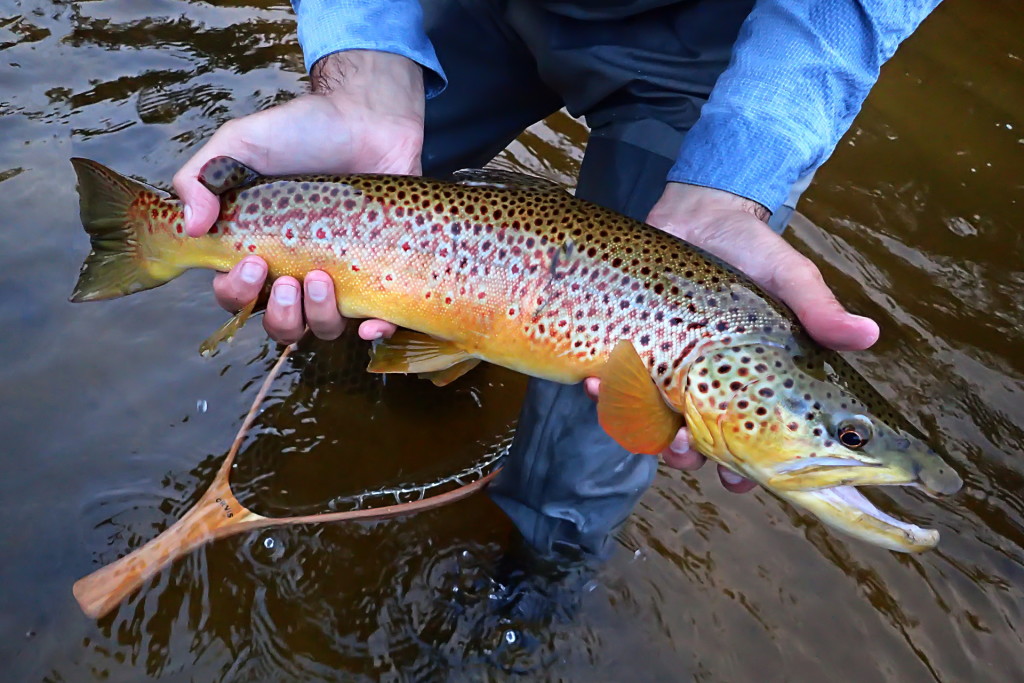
(640, 81)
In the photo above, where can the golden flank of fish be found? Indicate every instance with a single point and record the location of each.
(515, 271)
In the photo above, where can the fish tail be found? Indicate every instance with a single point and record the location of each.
(120, 262)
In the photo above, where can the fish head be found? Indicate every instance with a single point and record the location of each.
(832, 441)
(809, 440)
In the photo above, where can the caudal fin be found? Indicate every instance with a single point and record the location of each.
(117, 265)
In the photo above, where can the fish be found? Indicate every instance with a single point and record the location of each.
(490, 265)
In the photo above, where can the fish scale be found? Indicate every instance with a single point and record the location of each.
(493, 269)
(513, 270)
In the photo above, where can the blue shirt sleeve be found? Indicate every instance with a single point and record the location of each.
(800, 72)
(396, 26)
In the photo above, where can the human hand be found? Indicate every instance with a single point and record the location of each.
(365, 115)
(734, 229)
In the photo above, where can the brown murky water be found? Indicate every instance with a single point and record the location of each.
(111, 423)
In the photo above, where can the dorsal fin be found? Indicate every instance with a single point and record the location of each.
(496, 177)
(223, 173)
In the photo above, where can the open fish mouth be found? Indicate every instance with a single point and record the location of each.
(848, 510)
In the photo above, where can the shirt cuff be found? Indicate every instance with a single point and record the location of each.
(738, 153)
(329, 26)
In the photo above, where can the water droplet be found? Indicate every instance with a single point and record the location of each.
(201, 405)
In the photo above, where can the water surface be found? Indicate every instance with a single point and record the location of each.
(112, 424)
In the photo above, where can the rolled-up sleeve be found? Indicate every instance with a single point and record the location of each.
(396, 26)
(800, 72)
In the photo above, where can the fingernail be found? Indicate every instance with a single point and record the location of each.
(251, 272)
(286, 294)
(317, 290)
(680, 445)
(730, 477)
(188, 215)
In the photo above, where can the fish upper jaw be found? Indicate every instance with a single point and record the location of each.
(939, 481)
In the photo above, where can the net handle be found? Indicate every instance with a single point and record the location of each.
(217, 514)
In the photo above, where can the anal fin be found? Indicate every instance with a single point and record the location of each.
(443, 378)
(228, 329)
(416, 352)
(630, 407)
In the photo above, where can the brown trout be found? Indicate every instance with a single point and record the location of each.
(514, 270)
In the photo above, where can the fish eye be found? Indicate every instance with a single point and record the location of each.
(854, 434)
(849, 437)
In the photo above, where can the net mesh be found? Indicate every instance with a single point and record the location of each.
(332, 437)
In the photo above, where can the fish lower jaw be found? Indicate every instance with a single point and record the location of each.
(846, 509)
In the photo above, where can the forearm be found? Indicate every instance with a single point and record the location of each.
(796, 81)
(328, 27)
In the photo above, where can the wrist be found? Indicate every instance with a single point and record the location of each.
(382, 80)
(686, 210)
(697, 198)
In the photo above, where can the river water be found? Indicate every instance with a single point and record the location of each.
(112, 424)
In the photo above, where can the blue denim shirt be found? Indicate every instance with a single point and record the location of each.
(799, 73)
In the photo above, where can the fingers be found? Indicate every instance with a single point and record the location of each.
(321, 306)
(798, 282)
(291, 306)
(376, 329)
(241, 284)
(734, 482)
(283, 319)
(680, 456)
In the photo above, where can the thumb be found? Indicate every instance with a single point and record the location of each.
(798, 282)
(201, 206)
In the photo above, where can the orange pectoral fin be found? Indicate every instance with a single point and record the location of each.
(416, 352)
(630, 407)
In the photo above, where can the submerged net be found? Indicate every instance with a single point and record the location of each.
(332, 437)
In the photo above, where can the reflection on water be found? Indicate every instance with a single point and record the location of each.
(112, 424)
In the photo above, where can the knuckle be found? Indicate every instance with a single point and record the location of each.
(325, 324)
(327, 333)
(226, 291)
(282, 334)
(228, 130)
(806, 269)
(181, 181)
